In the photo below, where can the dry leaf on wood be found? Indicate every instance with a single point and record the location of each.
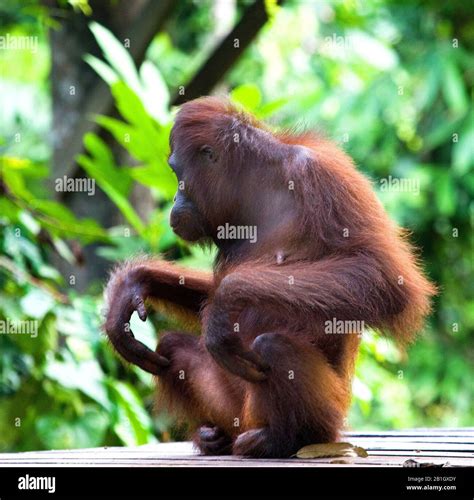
(413, 463)
(331, 450)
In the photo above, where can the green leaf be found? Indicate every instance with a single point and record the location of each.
(70, 374)
(463, 152)
(271, 8)
(107, 169)
(155, 93)
(144, 331)
(9, 212)
(443, 131)
(123, 246)
(150, 145)
(122, 203)
(14, 181)
(29, 222)
(36, 303)
(113, 181)
(49, 272)
(87, 431)
(445, 193)
(430, 80)
(201, 258)
(54, 209)
(158, 231)
(14, 163)
(163, 179)
(60, 220)
(63, 250)
(125, 134)
(248, 95)
(136, 140)
(268, 109)
(130, 106)
(116, 54)
(103, 70)
(453, 88)
(81, 6)
(133, 424)
(32, 253)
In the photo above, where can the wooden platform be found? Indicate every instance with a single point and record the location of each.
(446, 447)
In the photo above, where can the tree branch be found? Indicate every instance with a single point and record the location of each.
(226, 54)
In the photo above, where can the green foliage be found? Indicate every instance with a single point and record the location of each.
(390, 83)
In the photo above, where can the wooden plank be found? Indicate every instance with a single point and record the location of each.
(238, 462)
(435, 441)
(136, 453)
(411, 445)
(137, 459)
(385, 449)
(464, 432)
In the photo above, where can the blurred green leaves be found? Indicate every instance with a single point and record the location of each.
(133, 424)
(100, 166)
(250, 97)
(142, 100)
(25, 208)
(147, 84)
(86, 431)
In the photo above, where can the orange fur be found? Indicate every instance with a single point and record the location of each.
(266, 377)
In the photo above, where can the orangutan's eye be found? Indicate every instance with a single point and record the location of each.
(208, 153)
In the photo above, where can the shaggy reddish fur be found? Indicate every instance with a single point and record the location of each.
(265, 378)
